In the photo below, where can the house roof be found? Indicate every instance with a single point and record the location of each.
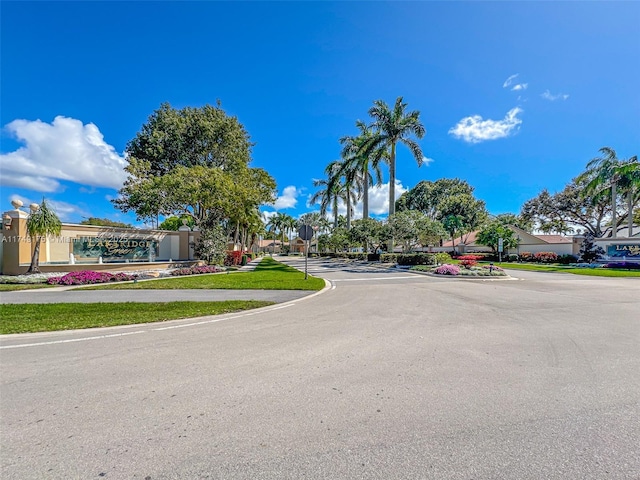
(554, 238)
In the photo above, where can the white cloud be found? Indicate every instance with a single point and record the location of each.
(29, 182)
(510, 80)
(475, 129)
(426, 161)
(288, 199)
(547, 95)
(519, 86)
(378, 201)
(65, 149)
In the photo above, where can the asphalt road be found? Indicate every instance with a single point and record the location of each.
(386, 375)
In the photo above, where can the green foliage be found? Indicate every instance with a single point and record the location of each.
(369, 233)
(416, 259)
(515, 220)
(41, 223)
(193, 162)
(589, 251)
(212, 244)
(173, 222)
(190, 137)
(389, 258)
(393, 126)
(412, 228)
(490, 234)
(104, 222)
(442, 258)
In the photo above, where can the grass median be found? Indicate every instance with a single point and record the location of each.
(594, 272)
(268, 275)
(26, 318)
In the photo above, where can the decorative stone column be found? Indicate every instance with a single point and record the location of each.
(183, 233)
(16, 248)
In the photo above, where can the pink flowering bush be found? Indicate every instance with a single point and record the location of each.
(466, 263)
(195, 270)
(87, 277)
(545, 257)
(447, 270)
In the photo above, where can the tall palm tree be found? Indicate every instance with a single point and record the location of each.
(629, 181)
(357, 159)
(606, 172)
(391, 127)
(273, 225)
(351, 179)
(42, 222)
(331, 193)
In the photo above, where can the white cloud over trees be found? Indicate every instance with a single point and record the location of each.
(65, 149)
(475, 129)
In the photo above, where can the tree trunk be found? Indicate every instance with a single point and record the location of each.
(630, 213)
(335, 213)
(348, 209)
(365, 197)
(614, 220)
(35, 258)
(392, 188)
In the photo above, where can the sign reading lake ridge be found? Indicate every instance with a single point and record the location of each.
(305, 232)
(620, 250)
(114, 248)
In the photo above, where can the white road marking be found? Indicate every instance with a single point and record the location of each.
(54, 342)
(368, 279)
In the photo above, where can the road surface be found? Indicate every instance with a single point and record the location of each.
(386, 375)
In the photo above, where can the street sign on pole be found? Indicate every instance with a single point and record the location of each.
(306, 234)
(500, 248)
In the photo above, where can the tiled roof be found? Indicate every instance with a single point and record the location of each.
(554, 238)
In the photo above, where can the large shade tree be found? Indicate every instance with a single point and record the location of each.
(195, 162)
(42, 222)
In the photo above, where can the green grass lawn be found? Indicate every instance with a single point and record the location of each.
(26, 318)
(12, 287)
(268, 275)
(595, 272)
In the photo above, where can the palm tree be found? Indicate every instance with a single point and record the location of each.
(332, 192)
(391, 127)
(273, 225)
(629, 181)
(41, 222)
(356, 159)
(607, 171)
(351, 182)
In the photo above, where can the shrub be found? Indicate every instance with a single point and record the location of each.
(87, 277)
(474, 258)
(442, 258)
(566, 259)
(389, 258)
(195, 270)
(466, 263)
(233, 258)
(447, 270)
(545, 257)
(416, 259)
(526, 257)
(373, 257)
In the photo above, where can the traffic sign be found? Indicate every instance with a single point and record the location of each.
(305, 232)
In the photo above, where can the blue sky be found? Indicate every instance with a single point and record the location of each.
(515, 96)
